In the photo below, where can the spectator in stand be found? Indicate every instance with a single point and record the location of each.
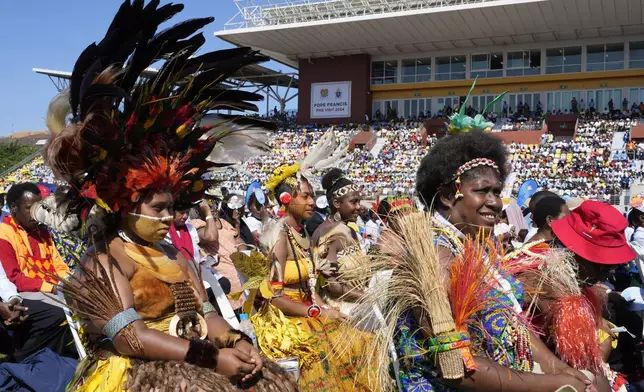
(319, 216)
(574, 105)
(27, 252)
(578, 168)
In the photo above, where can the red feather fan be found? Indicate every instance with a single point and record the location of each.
(574, 330)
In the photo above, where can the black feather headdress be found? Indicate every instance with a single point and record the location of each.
(131, 133)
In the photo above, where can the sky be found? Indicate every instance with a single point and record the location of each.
(51, 34)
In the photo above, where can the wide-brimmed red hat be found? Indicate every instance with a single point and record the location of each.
(595, 231)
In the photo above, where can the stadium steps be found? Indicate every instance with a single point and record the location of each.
(618, 141)
(380, 143)
(636, 189)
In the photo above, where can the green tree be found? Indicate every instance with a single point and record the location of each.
(14, 152)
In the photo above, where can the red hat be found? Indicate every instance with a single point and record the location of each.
(595, 231)
(44, 191)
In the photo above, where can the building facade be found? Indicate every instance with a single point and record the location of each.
(357, 58)
(552, 74)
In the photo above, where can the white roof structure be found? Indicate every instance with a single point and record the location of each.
(289, 30)
(254, 76)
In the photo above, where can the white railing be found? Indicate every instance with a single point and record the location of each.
(258, 13)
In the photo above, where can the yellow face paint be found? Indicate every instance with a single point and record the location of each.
(149, 228)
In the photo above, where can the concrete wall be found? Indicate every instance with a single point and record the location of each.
(356, 69)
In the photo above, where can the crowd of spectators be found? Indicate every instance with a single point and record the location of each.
(584, 167)
(34, 171)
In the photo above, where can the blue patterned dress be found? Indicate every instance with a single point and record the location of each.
(490, 337)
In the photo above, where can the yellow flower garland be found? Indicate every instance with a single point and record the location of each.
(280, 174)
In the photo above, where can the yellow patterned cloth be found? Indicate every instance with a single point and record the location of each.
(333, 357)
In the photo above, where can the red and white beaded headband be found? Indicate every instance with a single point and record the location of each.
(469, 165)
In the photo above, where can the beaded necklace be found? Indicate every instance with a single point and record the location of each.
(517, 335)
(187, 322)
(292, 240)
(525, 249)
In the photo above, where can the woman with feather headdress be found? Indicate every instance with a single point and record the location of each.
(454, 315)
(137, 147)
(294, 320)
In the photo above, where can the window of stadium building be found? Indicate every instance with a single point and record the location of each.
(605, 57)
(416, 108)
(636, 55)
(489, 65)
(524, 63)
(416, 70)
(563, 60)
(384, 72)
(451, 68)
(636, 96)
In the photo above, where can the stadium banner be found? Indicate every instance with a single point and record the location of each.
(331, 100)
(526, 191)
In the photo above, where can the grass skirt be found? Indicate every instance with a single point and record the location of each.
(331, 355)
(115, 373)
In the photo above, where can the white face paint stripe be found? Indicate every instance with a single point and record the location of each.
(156, 218)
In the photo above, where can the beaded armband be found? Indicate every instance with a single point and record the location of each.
(202, 353)
(453, 341)
(207, 307)
(120, 321)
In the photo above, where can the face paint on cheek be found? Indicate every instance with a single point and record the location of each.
(149, 228)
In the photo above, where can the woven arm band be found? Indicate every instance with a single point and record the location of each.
(207, 307)
(119, 322)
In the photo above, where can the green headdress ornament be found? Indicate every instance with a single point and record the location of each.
(460, 122)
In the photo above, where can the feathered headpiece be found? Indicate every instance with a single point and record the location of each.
(131, 134)
(460, 122)
(329, 152)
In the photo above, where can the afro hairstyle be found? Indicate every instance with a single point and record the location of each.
(438, 167)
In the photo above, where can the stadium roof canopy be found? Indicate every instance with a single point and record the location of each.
(253, 74)
(255, 77)
(289, 30)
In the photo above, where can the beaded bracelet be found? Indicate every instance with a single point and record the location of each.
(202, 353)
(207, 307)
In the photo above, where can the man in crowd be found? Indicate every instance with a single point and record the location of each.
(321, 208)
(27, 252)
(257, 213)
(186, 238)
(31, 325)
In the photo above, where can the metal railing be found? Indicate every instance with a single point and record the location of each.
(20, 164)
(258, 13)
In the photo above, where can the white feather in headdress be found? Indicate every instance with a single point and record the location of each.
(241, 141)
(57, 112)
(329, 152)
